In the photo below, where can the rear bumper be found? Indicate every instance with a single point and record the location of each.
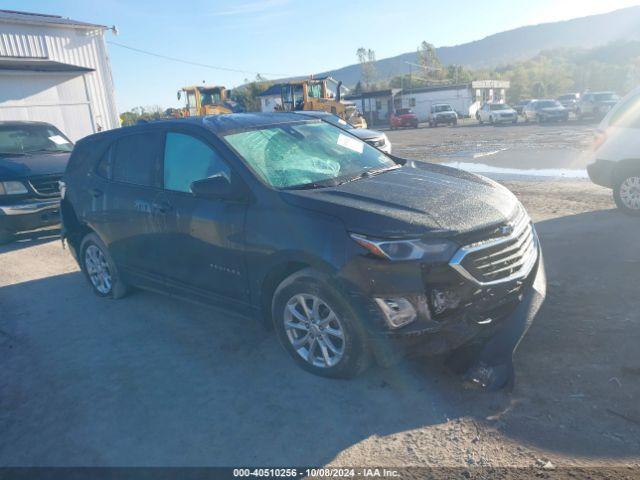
(29, 215)
(601, 172)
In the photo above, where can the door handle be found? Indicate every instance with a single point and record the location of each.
(162, 207)
(95, 192)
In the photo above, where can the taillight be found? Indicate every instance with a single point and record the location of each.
(599, 139)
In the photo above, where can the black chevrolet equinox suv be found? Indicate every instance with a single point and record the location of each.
(349, 253)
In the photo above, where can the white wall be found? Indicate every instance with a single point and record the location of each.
(76, 46)
(58, 99)
(269, 103)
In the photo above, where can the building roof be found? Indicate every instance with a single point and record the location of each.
(36, 65)
(376, 93)
(437, 88)
(14, 16)
(274, 89)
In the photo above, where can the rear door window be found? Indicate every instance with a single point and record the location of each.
(136, 159)
(187, 159)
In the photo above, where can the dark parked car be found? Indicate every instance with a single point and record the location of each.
(346, 251)
(33, 156)
(403, 117)
(569, 101)
(545, 111)
(372, 137)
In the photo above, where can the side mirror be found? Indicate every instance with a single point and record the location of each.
(218, 187)
(179, 94)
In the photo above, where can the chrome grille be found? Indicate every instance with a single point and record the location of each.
(46, 184)
(501, 259)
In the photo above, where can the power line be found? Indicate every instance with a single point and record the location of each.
(197, 64)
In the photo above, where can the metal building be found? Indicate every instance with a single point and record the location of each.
(55, 70)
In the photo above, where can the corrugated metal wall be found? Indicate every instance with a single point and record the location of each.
(76, 46)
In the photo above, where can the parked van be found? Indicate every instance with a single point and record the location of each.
(617, 153)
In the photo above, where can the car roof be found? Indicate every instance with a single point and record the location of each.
(314, 113)
(218, 124)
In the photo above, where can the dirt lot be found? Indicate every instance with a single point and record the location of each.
(151, 380)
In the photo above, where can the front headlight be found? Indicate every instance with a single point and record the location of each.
(409, 249)
(12, 188)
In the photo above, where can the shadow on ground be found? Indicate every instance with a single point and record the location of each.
(30, 239)
(150, 380)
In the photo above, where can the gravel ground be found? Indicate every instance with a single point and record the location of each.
(151, 380)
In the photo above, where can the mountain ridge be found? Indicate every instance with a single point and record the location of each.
(513, 45)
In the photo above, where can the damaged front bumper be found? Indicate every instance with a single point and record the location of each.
(501, 311)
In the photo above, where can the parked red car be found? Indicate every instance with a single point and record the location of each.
(403, 117)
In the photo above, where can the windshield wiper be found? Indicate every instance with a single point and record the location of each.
(369, 173)
(313, 185)
(47, 150)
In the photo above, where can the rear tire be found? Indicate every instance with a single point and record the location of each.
(100, 269)
(301, 303)
(626, 192)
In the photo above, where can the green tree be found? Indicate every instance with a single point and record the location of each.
(367, 60)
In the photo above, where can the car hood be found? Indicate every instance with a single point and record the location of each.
(34, 164)
(415, 200)
(365, 133)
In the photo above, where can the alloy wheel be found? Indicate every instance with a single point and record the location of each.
(98, 269)
(630, 193)
(314, 330)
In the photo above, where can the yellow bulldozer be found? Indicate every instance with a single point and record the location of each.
(205, 100)
(313, 94)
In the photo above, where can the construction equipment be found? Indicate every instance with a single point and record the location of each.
(205, 100)
(313, 94)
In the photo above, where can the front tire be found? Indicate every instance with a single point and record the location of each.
(317, 326)
(100, 269)
(626, 192)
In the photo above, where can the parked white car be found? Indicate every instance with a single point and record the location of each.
(497, 113)
(617, 153)
(442, 113)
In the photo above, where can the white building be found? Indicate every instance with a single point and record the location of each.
(55, 70)
(464, 98)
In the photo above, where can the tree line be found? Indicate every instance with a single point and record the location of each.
(551, 73)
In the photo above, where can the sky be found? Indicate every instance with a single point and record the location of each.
(279, 38)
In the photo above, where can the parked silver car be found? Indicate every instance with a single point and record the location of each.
(547, 110)
(374, 138)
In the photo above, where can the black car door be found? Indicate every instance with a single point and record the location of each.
(203, 239)
(131, 215)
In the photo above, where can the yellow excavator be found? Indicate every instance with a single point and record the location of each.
(205, 100)
(313, 94)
